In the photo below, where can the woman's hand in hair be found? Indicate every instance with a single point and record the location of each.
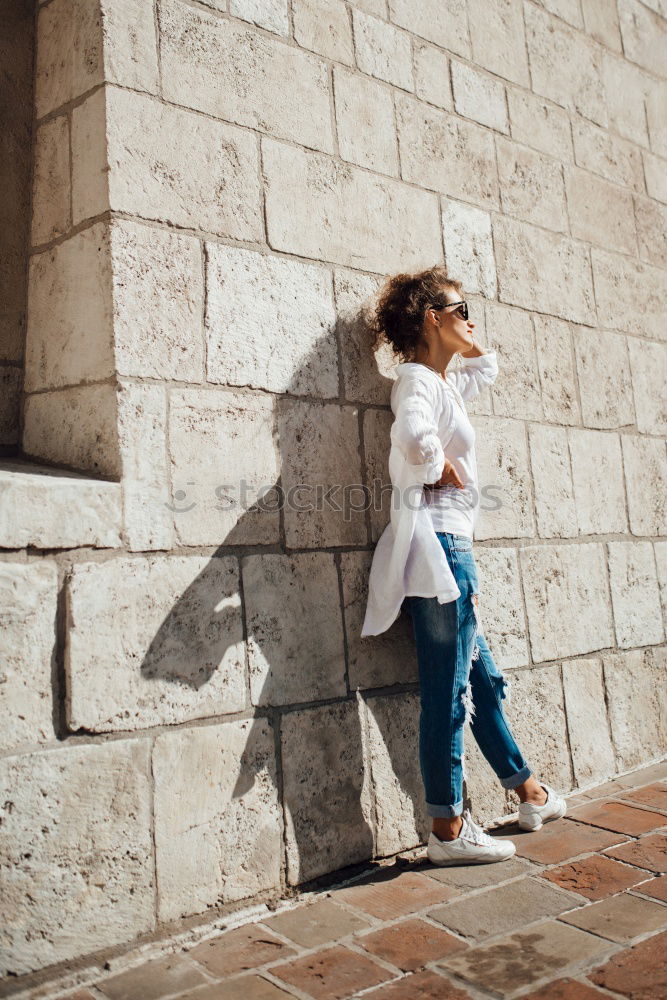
(449, 477)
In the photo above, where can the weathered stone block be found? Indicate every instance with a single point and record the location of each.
(596, 466)
(557, 370)
(635, 595)
(479, 96)
(566, 584)
(555, 508)
(651, 219)
(443, 152)
(380, 492)
(539, 124)
(51, 186)
(286, 311)
(367, 376)
(643, 34)
(230, 71)
(377, 660)
(432, 75)
(655, 171)
(637, 704)
(365, 122)
(506, 509)
(28, 597)
(312, 209)
(217, 817)
(90, 167)
(498, 38)
(295, 628)
(599, 212)
(441, 21)
(605, 385)
(224, 467)
(607, 154)
(535, 266)
(153, 640)
(626, 88)
(77, 851)
(601, 22)
(501, 605)
(77, 428)
(656, 95)
(642, 306)
(382, 50)
(326, 790)
(321, 474)
(271, 14)
(469, 247)
(517, 391)
(645, 464)
(324, 26)
(587, 723)
(69, 52)
(531, 186)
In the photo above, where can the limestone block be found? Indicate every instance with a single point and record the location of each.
(130, 45)
(517, 392)
(445, 153)
(11, 387)
(644, 35)
(230, 71)
(535, 712)
(498, 39)
(648, 364)
(566, 584)
(324, 26)
(504, 479)
(531, 186)
(50, 509)
(313, 207)
(148, 508)
(28, 598)
(375, 661)
(557, 370)
(271, 15)
(69, 58)
(645, 465)
(655, 170)
(153, 640)
(77, 852)
(367, 375)
(295, 628)
(599, 490)
(607, 154)
(605, 384)
(432, 75)
(224, 467)
(566, 66)
(637, 704)
(70, 317)
(382, 50)
(441, 21)
(601, 22)
(642, 305)
(469, 247)
(480, 97)
(534, 266)
(51, 187)
(540, 124)
(380, 492)
(568, 10)
(321, 474)
(599, 212)
(501, 606)
(487, 797)
(285, 310)
(590, 743)
(217, 817)
(651, 231)
(552, 477)
(393, 739)
(182, 168)
(74, 427)
(660, 549)
(158, 294)
(90, 166)
(365, 122)
(326, 790)
(656, 95)
(635, 595)
(626, 88)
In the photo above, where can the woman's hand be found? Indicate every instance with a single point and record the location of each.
(449, 477)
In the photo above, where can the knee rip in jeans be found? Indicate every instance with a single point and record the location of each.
(475, 608)
(466, 699)
(500, 680)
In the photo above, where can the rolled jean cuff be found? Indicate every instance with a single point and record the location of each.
(516, 779)
(444, 812)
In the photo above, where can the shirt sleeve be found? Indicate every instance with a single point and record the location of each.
(414, 430)
(476, 373)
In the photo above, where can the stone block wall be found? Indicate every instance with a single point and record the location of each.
(192, 720)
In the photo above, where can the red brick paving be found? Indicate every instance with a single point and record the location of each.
(654, 796)
(332, 974)
(647, 852)
(639, 973)
(240, 950)
(618, 816)
(594, 877)
(562, 840)
(565, 989)
(420, 986)
(410, 944)
(655, 887)
(396, 896)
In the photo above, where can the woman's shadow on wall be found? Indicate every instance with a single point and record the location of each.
(282, 602)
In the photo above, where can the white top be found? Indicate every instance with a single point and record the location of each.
(430, 422)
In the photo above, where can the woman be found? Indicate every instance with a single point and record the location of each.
(424, 563)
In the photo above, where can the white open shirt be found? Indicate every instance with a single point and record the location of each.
(408, 558)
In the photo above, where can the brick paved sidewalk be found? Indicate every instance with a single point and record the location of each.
(579, 912)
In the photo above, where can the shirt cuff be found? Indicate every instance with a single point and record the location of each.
(481, 361)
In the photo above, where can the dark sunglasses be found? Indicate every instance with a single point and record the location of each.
(462, 308)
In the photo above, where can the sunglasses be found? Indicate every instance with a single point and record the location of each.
(462, 308)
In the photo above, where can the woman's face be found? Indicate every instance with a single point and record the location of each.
(448, 325)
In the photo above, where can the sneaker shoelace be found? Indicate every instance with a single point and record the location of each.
(474, 832)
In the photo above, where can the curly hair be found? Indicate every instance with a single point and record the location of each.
(399, 313)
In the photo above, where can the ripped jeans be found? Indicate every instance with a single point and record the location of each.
(459, 682)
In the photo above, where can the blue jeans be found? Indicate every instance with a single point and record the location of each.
(459, 682)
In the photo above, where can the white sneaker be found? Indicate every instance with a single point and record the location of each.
(472, 846)
(532, 816)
